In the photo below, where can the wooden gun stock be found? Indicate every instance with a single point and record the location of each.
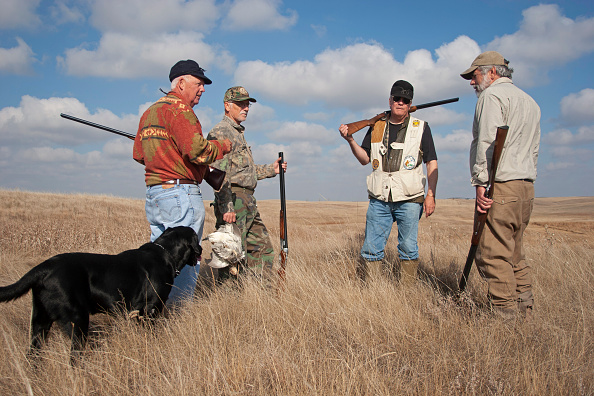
(481, 218)
(213, 176)
(358, 125)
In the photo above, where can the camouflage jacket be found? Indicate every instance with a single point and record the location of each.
(239, 163)
(170, 145)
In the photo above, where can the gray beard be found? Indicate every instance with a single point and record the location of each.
(478, 89)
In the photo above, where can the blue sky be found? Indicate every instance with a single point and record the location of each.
(312, 65)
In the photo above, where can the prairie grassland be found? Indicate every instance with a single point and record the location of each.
(325, 333)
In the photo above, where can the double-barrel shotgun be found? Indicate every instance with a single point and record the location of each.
(358, 125)
(284, 245)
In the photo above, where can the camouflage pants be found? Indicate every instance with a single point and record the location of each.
(254, 235)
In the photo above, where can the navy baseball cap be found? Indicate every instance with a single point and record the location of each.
(184, 67)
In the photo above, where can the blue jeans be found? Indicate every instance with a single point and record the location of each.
(380, 217)
(179, 205)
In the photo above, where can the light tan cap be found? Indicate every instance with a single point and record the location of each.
(489, 58)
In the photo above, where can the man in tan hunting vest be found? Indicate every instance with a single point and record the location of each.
(396, 145)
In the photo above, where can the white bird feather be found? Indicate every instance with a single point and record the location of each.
(226, 246)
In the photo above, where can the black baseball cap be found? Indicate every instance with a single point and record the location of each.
(184, 67)
(403, 89)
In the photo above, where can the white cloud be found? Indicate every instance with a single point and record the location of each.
(567, 153)
(36, 140)
(37, 121)
(437, 116)
(17, 60)
(258, 15)
(564, 137)
(125, 56)
(320, 30)
(50, 155)
(319, 116)
(457, 141)
(62, 13)
(303, 131)
(19, 14)
(577, 108)
(145, 17)
(359, 76)
(546, 39)
(560, 166)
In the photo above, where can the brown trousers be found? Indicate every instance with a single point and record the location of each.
(500, 255)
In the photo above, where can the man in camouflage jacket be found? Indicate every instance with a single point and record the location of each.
(235, 201)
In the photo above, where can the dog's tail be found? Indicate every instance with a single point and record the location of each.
(23, 285)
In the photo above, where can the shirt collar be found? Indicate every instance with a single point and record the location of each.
(238, 127)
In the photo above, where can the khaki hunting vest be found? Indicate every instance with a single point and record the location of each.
(409, 181)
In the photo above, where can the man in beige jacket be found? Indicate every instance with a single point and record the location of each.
(500, 255)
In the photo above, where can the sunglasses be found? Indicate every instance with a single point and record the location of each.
(399, 98)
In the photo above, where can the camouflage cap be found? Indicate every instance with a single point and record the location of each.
(237, 94)
(489, 58)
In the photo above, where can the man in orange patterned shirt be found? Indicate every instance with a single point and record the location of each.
(175, 154)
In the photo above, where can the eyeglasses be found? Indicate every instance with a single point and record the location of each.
(243, 103)
(400, 98)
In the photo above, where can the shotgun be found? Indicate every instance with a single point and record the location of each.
(214, 177)
(481, 218)
(358, 125)
(284, 245)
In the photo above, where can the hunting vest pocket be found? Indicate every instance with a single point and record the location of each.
(412, 184)
(374, 185)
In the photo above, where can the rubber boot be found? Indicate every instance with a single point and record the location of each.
(367, 270)
(408, 271)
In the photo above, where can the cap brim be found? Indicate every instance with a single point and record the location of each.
(467, 74)
(207, 81)
(242, 99)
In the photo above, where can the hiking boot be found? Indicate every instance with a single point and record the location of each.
(408, 271)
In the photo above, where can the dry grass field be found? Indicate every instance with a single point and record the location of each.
(325, 334)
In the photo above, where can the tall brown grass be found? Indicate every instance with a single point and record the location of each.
(325, 333)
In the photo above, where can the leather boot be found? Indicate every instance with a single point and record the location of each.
(408, 271)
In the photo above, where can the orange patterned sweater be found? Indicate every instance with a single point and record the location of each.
(170, 145)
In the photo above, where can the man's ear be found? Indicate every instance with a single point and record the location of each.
(181, 84)
(227, 107)
(493, 73)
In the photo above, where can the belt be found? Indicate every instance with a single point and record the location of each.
(174, 182)
(244, 190)
(522, 180)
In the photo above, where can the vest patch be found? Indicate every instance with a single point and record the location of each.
(409, 162)
(375, 164)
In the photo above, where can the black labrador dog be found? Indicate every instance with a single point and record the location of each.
(69, 287)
